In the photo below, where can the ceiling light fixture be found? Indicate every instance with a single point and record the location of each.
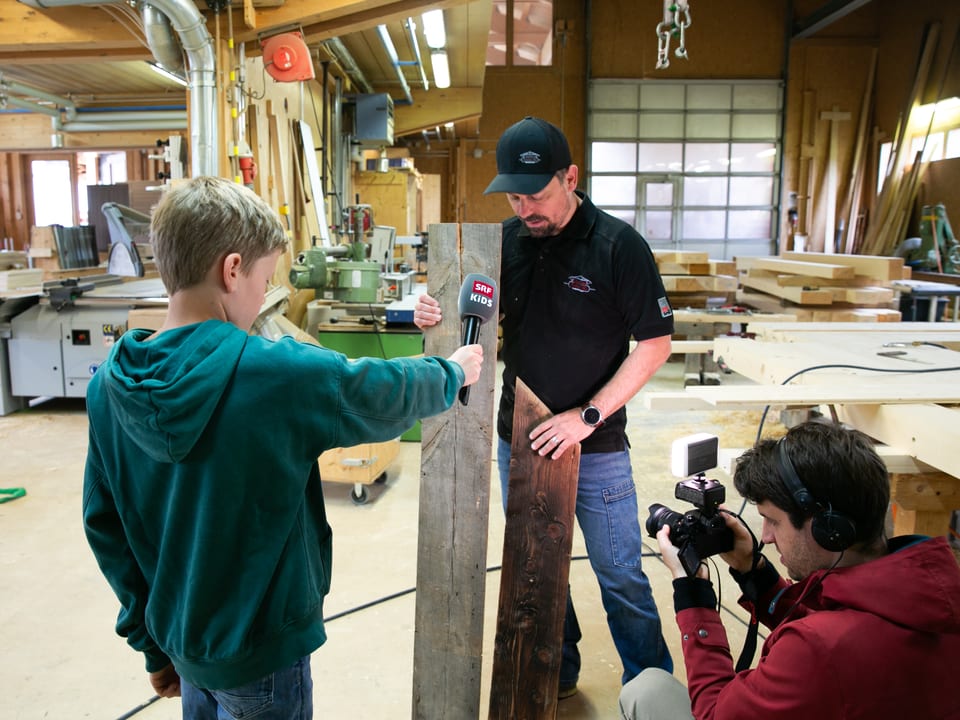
(168, 75)
(441, 69)
(434, 30)
(388, 43)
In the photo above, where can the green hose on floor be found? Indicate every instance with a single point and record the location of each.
(8, 494)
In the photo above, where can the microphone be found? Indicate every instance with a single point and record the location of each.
(477, 305)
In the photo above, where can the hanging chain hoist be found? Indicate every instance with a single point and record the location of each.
(676, 20)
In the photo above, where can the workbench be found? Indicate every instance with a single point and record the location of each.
(897, 382)
(357, 339)
(700, 327)
(932, 292)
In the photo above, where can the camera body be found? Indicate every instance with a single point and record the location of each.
(701, 532)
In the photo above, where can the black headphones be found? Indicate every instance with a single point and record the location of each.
(833, 531)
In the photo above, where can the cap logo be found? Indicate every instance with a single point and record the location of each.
(529, 157)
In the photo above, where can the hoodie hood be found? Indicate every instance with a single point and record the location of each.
(907, 587)
(165, 389)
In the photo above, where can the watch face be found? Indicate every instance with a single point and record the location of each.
(590, 415)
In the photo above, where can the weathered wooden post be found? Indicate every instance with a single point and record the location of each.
(455, 476)
(538, 538)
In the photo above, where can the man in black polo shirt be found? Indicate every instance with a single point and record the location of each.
(575, 285)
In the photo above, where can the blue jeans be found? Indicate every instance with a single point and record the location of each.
(608, 517)
(285, 695)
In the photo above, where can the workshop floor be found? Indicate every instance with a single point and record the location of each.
(60, 658)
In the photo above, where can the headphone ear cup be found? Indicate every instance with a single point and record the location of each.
(833, 531)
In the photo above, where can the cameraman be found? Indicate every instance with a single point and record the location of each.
(870, 628)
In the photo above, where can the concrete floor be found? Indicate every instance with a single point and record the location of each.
(60, 657)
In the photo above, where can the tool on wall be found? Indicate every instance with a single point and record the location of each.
(286, 57)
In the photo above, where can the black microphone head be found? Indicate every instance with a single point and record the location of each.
(478, 297)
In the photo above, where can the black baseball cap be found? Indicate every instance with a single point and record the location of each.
(529, 153)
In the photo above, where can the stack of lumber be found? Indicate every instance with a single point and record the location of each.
(16, 279)
(43, 248)
(693, 280)
(823, 287)
(12, 259)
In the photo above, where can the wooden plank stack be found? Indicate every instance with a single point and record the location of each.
(17, 279)
(823, 287)
(693, 280)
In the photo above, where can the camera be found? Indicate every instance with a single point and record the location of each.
(701, 532)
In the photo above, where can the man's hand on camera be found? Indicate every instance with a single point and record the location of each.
(741, 557)
(671, 556)
(426, 313)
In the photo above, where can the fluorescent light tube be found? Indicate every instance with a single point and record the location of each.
(434, 30)
(168, 75)
(441, 69)
(388, 43)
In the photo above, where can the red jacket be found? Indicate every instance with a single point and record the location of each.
(877, 640)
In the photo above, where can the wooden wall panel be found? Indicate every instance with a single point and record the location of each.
(730, 39)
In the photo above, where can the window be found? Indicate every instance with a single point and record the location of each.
(52, 192)
(933, 131)
(691, 165)
(521, 33)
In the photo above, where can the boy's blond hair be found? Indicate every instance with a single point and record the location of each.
(201, 221)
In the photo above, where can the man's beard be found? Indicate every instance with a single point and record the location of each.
(548, 230)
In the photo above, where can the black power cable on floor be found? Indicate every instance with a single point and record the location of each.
(401, 593)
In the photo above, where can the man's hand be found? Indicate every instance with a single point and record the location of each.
(558, 434)
(166, 682)
(741, 557)
(426, 312)
(671, 556)
(470, 358)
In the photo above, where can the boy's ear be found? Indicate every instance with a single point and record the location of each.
(231, 271)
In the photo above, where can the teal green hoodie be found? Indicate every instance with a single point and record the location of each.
(202, 498)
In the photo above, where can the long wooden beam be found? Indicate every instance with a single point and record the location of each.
(455, 478)
(63, 32)
(437, 107)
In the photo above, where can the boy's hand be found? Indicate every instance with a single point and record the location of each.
(470, 358)
(426, 312)
(166, 682)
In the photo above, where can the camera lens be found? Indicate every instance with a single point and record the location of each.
(661, 515)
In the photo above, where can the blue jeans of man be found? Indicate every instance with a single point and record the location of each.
(608, 517)
(284, 695)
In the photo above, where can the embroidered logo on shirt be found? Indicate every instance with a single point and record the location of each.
(580, 284)
(529, 157)
(665, 309)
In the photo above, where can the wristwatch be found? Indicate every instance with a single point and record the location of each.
(591, 415)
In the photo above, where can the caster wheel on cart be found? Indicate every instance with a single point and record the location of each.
(381, 478)
(359, 495)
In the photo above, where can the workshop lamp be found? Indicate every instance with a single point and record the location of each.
(436, 35)
(434, 30)
(167, 74)
(388, 43)
(441, 69)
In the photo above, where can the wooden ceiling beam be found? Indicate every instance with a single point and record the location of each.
(338, 17)
(68, 30)
(436, 107)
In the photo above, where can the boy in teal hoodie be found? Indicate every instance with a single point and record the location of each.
(202, 498)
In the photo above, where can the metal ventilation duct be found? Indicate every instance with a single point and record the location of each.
(190, 28)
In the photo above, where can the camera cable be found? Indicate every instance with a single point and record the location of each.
(745, 658)
(366, 606)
